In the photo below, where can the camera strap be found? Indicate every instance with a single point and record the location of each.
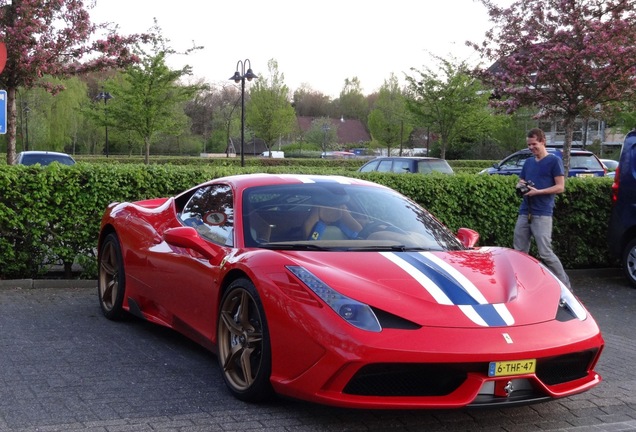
(529, 210)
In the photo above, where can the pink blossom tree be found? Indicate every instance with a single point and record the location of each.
(567, 58)
(53, 38)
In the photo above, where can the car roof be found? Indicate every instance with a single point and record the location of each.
(42, 152)
(559, 151)
(416, 158)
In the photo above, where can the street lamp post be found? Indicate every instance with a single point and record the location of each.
(239, 76)
(105, 96)
(325, 129)
(26, 124)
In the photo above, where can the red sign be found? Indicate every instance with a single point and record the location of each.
(3, 55)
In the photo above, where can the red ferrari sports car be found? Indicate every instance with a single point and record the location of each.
(344, 292)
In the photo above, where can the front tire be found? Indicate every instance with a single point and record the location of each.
(111, 281)
(243, 338)
(629, 262)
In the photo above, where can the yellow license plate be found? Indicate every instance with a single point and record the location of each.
(585, 175)
(517, 367)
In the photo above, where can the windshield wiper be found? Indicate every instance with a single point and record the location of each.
(293, 246)
(393, 248)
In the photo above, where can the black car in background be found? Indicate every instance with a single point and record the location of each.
(405, 164)
(622, 226)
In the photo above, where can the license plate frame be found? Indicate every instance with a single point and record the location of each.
(512, 367)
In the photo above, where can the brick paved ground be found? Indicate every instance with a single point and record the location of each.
(63, 367)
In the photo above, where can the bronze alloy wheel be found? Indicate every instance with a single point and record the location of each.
(244, 352)
(110, 283)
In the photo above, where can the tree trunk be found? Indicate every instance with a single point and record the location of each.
(568, 126)
(147, 145)
(68, 270)
(443, 148)
(11, 126)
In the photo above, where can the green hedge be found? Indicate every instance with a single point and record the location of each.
(51, 215)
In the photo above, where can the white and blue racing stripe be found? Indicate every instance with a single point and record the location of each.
(303, 178)
(449, 287)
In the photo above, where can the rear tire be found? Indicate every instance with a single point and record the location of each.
(243, 342)
(111, 281)
(629, 262)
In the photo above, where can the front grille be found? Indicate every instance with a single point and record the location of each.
(398, 379)
(569, 367)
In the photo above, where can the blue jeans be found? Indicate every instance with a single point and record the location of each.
(541, 230)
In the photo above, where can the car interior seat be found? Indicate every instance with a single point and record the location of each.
(260, 230)
(330, 223)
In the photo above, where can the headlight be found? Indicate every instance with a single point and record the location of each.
(355, 313)
(568, 301)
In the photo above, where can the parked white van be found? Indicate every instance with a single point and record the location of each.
(275, 154)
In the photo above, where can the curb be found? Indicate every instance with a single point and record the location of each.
(48, 283)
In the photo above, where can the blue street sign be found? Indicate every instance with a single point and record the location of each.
(3, 111)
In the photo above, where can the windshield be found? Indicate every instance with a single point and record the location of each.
(339, 216)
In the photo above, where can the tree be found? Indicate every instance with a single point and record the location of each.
(389, 120)
(268, 112)
(449, 102)
(310, 103)
(352, 103)
(323, 133)
(569, 58)
(144, 101)
(54, 38)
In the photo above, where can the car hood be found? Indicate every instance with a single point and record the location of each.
(472, 288)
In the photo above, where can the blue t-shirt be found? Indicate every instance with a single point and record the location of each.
(542, 174)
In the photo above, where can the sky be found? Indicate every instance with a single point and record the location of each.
(319, 44)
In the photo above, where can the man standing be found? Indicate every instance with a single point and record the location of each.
(544, 177)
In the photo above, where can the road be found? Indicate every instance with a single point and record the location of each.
(63, 367)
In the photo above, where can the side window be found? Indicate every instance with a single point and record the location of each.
(371, 166)
(211, 212)
(401, 166)
(515, 162)
(385, 166)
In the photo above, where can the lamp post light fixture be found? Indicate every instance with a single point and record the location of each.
(239, 77)
(106, 97)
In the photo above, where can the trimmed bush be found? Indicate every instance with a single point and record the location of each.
(51, 215)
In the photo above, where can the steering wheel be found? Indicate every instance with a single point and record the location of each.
(378, 225)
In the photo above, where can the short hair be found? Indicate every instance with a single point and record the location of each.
(536, 133)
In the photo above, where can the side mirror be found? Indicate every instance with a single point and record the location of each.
(188, 237)
(468, 237)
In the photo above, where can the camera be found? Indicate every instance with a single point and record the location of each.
(523, 189)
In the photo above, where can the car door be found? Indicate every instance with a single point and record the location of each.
(186, 281)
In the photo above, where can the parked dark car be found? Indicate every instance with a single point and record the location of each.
(404, 164)
(44, 158)
(583, 163)
(622, 226)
